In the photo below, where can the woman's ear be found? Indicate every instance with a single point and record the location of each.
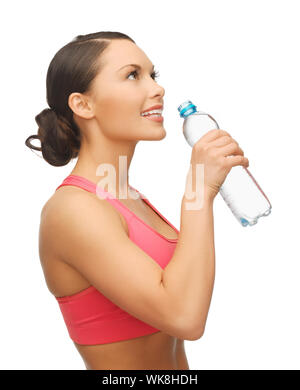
(81, 105)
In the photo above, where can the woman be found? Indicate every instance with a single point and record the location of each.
(130, 288)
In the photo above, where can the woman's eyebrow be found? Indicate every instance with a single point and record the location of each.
(136, 65)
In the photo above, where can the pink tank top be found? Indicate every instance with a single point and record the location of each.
(89, 316)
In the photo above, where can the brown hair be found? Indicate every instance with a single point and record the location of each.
(72, 69)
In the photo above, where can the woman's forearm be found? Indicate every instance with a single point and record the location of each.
(189, 277)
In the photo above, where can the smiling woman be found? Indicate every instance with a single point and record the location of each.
(103, 258)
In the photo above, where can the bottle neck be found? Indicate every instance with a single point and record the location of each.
(187, 108)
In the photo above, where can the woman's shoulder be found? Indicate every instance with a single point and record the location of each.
(61, 278)
(63, 195)
(76, 198)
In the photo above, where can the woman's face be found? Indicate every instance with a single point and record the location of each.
(121, 92)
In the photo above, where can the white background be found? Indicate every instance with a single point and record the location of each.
(237, 60)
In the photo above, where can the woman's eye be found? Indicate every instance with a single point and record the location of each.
(134, 72)
(154, 75)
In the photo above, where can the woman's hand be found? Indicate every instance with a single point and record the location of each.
(219, 152)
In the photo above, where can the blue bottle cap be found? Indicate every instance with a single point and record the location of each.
(186, 108)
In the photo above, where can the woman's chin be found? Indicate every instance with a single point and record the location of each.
(164, 133)
(152, 134)
(159, 133)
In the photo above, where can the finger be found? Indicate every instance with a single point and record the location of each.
(213, 134)
(232, 161)
(231, 149)
(221, 141)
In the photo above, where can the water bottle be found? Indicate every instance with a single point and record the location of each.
(240, 191)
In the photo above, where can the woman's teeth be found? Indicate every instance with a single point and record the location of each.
(152, 112)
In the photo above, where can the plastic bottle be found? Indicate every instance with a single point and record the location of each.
(240, 190)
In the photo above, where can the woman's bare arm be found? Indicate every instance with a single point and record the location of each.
(189, 276)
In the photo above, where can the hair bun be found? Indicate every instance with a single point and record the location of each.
(56, 136)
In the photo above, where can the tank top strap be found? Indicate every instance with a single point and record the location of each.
(82, 182)
(129, 215)
(86, 184)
